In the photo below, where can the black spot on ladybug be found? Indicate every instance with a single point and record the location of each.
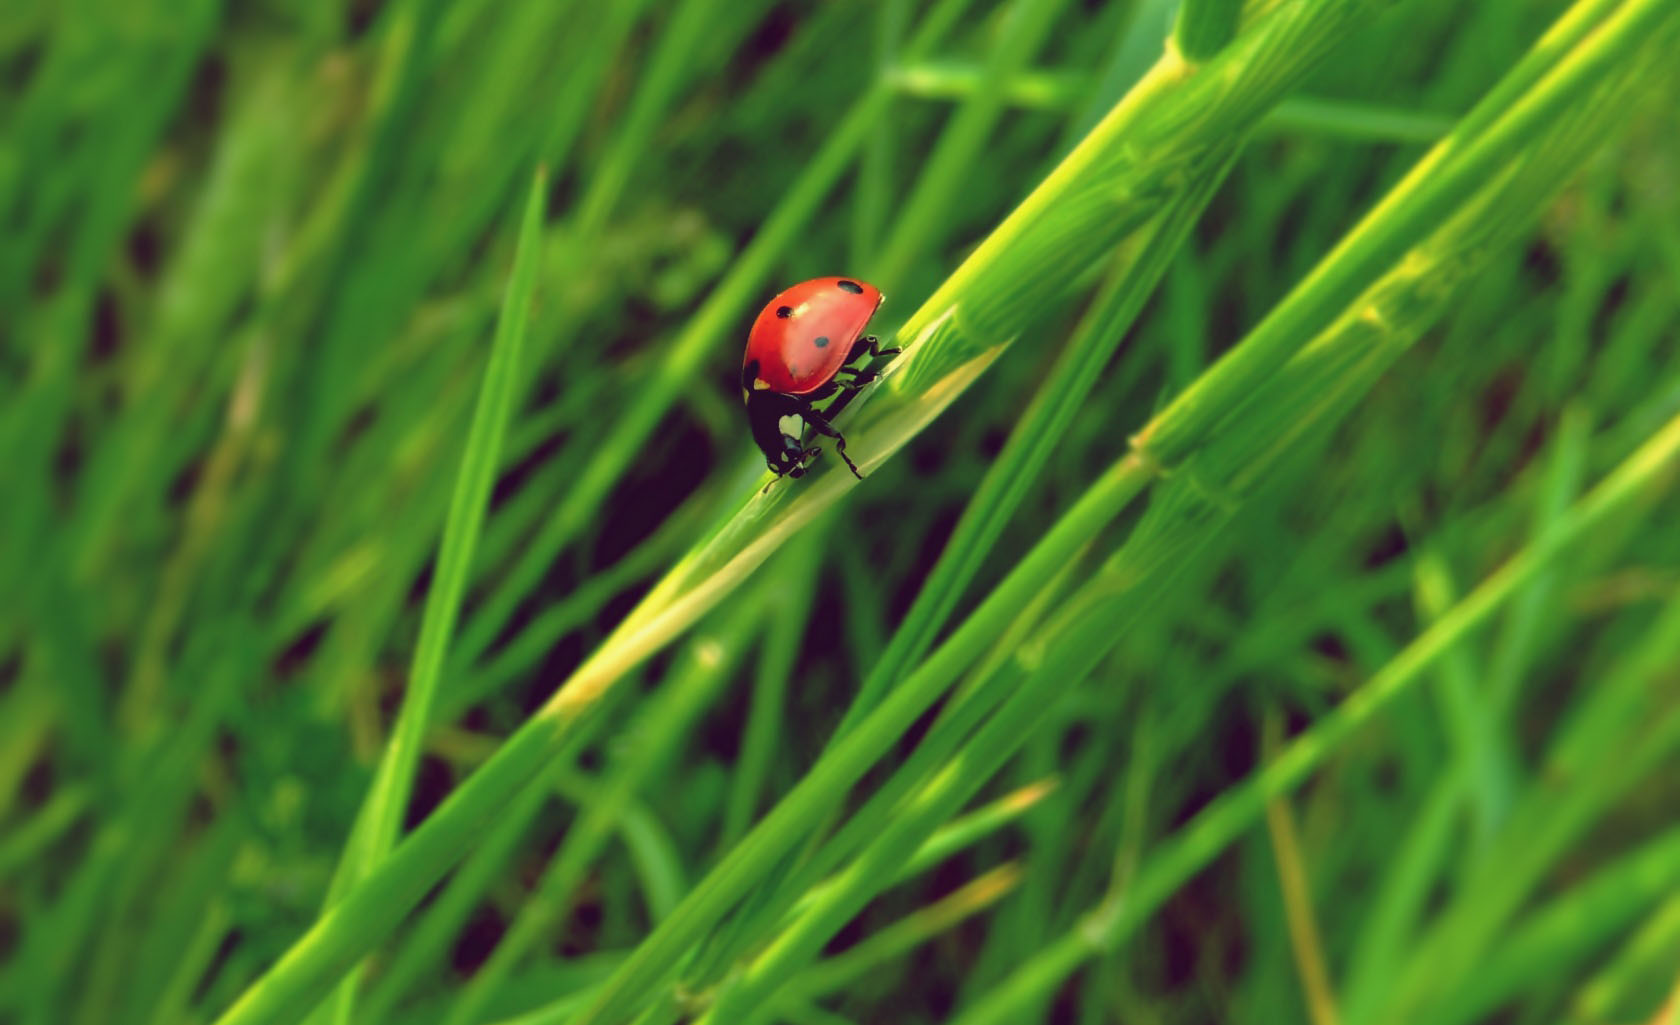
(784, 312)
(850, 286)
(821, 341)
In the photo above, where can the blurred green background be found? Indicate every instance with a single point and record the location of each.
(251, 265)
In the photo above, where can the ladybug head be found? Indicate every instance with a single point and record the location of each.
(789, 460)
(778, 429)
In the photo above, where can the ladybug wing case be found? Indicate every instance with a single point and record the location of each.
(804, 335)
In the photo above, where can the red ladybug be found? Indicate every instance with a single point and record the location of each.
(799, 348)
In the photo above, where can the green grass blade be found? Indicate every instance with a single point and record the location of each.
(378, 825)
(654, 740)
(1031, 443)
(1487, 139)
(388, 796)
(1204, 26)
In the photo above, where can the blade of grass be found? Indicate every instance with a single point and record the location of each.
(791, 609)
(380, 821)
(1027, 452)
(1552, 941)
(1025, 25)
(1520, 635)
(1465, 710)
(1205, 26)
(1305, 938)
(1527, 100)
(654, 740)
(388, 796)
(1647, 954)
(874, 182)
(897, 939)
(1403, 896)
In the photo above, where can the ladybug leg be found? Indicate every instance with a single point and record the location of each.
(817, 422)
(846, 387)
(868, 345)
(858, 379)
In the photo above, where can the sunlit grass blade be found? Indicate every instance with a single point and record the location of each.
(1623, 989)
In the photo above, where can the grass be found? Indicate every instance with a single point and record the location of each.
(1260, 605)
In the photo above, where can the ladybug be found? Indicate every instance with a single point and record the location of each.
(802, 349)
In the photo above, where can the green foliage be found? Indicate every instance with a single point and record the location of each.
(1263, 603)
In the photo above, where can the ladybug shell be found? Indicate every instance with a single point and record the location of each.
(804, 335)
